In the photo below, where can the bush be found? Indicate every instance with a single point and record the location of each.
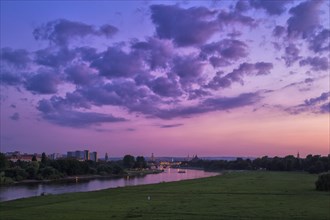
(323, 182)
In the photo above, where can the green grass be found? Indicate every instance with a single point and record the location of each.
(236, 195)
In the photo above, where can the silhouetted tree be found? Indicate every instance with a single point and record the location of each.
(323, 182)
(128, 161)
(140, 162)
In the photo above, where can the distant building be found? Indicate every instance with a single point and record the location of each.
(93, 156)
(55, 156)
(86, 154)
(152, 157)
(106, 158)
(80, 155)
(15, 156)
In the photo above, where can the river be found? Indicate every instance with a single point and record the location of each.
(36, 189)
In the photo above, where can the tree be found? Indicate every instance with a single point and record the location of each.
(43, 158)
(140, 162)
(323, 182)
(3, 162)
(128, 161)
(34, 158)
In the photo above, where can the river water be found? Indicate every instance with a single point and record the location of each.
(29, 190)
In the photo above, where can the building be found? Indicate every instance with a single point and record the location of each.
(93, 156)
(80, 155)
(18, 156)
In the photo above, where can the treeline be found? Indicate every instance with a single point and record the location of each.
(311, 164)
(48, 169)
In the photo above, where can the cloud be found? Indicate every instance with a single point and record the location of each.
(322, 98)
(171, 125)
(157, 53)
(80, 74)
(242, 6)
(291, 55)
(57, 113)
(116, 63)
(279, 31)
(188, 68)
(228, 49)
(18, 58)
(233, 18)
(13, 106)
(316, 105)
(164, 86)
(15, 117)
(209, 105)
(10, 79)
(54, 58)
(187, 27)
(245, 69)
(44, 82)
(325, 108)
(304, 19)
(317, 63)
(62, 31)
(320, 42)
(272, 7)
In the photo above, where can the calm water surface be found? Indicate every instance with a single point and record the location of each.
(29, 190)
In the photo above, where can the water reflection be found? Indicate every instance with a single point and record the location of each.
(29, 190)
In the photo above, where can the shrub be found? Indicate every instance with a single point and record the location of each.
(323, 182)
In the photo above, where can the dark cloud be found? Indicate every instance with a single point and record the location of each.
(304, 19)
(61, 31)
(54, 58)
(228, 49)
(291, 54)
(80, 74)
(209, 105)
(192, 26)
(245, 69)
(156, 53)
(219, 61)
(317, 63)
(309, 80)
(279, 31)
(10, 79)
(164, 86)
(55, 112)
(325, 108)
(322, 98)
(272, 7)
(13, 106)
(17, 58)
(197, 93)
(320, 42)
(316, 105)
(171, 125)
(116, 63)
(15, 117)
(188, 68)
(44, 82)
(232, 18)
(87, 53)
(242, 6)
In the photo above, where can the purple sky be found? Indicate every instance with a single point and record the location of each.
(213, 78)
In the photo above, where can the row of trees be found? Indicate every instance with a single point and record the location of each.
(311, 164)
(57, 169)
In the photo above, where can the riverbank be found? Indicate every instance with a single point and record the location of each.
(234, 195)
(79, 178)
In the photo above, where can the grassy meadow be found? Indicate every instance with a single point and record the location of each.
(234, 195)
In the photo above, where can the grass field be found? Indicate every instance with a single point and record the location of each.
(236, 195)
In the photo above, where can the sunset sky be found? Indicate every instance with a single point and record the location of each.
(212, 78)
